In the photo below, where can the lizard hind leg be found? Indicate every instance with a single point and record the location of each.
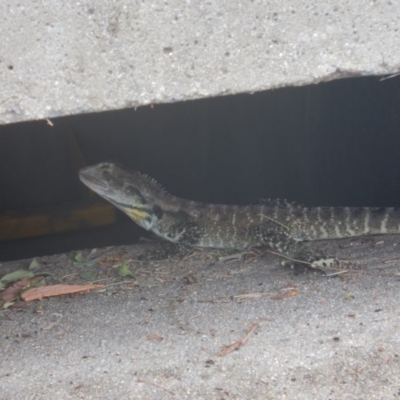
(297, 255)
(314, 259)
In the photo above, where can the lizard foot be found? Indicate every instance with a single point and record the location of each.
(307, 260)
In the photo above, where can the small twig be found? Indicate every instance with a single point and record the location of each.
(100, 280)
(236, 256)
(68, 276)
(391, 261)
(336, 273)
(289, 258)
(118, 283)
(213, 301)
(187, 255)
(250, 295)
(157, 385)
(389, 77)
(236, 345)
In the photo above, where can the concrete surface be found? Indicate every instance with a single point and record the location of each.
(315, 337)
(335, 338)
(61, 58)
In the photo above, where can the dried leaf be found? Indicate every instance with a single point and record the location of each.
(19, 305)
(56, 290)
(109, 259)
(190, 279)
(13, 291)
(286, 294)
(155, 336)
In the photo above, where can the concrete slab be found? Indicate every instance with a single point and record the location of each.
(60, 58)
(314, 337)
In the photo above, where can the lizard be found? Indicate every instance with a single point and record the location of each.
(284, 227)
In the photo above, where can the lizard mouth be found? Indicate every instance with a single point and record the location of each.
(94, 183)
(101, 188)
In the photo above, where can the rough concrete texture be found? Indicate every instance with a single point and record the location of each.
(60, 57)
(314, 337)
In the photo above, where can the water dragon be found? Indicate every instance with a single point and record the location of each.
(285, 228)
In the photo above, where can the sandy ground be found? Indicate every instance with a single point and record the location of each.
(165, 332)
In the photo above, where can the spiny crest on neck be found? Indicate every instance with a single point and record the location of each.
(132, 182)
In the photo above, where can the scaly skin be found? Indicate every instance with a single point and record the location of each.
(281, 226)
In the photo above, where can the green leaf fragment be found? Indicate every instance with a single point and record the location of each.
(87, 263)
(87, 276)
(79, 257)
(40, 283)
(16, 276)
(34, 265)
(123, 271)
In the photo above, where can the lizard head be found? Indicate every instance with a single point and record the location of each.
(130, 191)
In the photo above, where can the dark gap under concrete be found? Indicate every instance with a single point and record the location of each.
(335, 143)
